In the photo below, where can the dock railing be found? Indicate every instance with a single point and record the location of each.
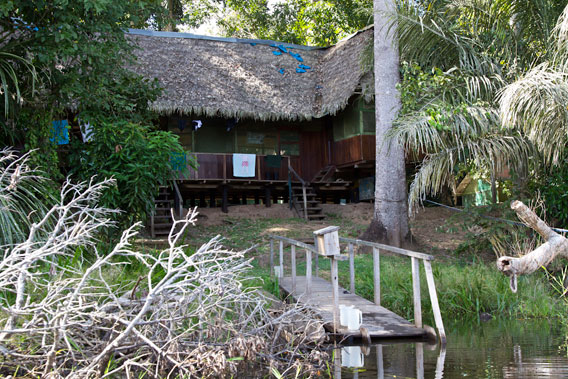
(415, 258)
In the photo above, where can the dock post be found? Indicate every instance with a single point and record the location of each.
(271, 256)
(281, 245)
(416, 292)
(308, 272)
(317, 255)
(380, 366)
(335, 284)
(419, 361)
(377, 275)
(351, 269)
(293, 263)
(434, 301)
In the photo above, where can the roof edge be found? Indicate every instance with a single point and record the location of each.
(153, 33)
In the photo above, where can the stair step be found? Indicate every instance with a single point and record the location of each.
(311, 209)
(168, 224)
(316, 217)
(162, 217)
(163, 201)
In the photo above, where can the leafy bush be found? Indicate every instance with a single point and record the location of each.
(553, 187)
(136, 156)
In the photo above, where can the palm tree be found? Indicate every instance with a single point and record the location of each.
(480, 47)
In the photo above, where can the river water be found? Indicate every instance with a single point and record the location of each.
(494, 349)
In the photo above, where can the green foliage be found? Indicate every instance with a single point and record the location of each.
(462, 55)
(306, 22)
(25, 195)
(489, 237)
(136, 156)
(553, 188)
(81, 55)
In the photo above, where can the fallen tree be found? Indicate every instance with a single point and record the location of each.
(555, 245)
(189, 314)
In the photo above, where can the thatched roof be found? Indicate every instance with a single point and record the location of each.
(244, 78)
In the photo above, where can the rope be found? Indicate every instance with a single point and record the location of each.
(492, 218)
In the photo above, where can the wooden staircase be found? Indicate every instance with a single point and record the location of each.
(313, 211)
(324, 175)
(161, 220)
(303, 198)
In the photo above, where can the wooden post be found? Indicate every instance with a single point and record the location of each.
(224, 168)
(335, 284)
(416, 292)
(225, 203)
(434, 301)
(281, 257)
(308, 272)
(317, 255)
(293, 263)
(267, 196)
(271, 257)
(377, 275)
(380, 366)
(305, 202)
(351, 269)
(212, 198)
(419, 361)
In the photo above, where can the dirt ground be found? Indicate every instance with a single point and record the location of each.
(430, 229)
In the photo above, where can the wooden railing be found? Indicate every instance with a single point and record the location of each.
(220, 166)
(178, 200)
(414, 256)
(415, 265)
(293, 202)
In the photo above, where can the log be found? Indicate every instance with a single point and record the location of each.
(554, 245)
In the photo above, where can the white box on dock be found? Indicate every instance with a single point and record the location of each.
(328, 241)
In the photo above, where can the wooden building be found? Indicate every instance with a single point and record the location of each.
(303, 112)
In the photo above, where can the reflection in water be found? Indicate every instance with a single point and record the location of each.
(498, 349)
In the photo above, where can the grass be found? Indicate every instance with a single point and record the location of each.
(466, 285)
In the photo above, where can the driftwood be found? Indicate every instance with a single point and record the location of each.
(555, 245)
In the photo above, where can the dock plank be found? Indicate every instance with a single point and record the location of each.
(379, 321)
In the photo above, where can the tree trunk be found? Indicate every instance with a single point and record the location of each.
(555, 245)
(390, 218)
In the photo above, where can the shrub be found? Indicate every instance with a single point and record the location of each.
(137, 157)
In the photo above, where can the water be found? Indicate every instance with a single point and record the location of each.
(496, 349)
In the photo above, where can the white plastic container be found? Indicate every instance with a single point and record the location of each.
(350, 317)
(351, 356)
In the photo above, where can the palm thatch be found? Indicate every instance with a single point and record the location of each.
(244, 78)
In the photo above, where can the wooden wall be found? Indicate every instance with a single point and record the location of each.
(354, 149)
(313, 157)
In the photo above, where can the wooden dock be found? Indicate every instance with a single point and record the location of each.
(379, 321)
(326, 297)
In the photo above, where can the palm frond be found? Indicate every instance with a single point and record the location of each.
(494, 151)
(24, 196)
(536, 105)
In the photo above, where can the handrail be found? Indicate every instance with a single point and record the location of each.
(294, 242)
(178, 200)
(296, 175)
(392, 249)
(304, 194)
(414, 256)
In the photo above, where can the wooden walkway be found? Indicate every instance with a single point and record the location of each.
(379, 321)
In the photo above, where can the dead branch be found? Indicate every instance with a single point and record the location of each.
(554, 245)
(188, 314)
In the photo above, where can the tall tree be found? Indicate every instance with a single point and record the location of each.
(390, 218)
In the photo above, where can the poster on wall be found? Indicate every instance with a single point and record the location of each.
(255, 138)
(367, 188)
